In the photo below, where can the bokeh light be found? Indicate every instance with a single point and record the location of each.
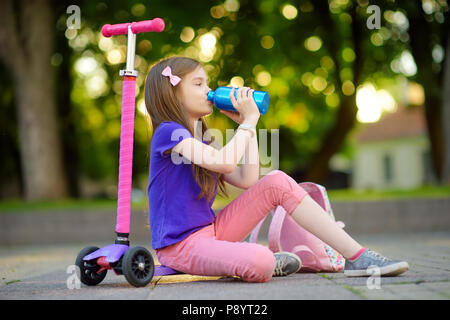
(416, 94)
(333, 100)
(319, 83)
(348, 54)
(289, 11)
(85, 65)
(115, 56)
(217, 12)
(267, 42)
(237, 81)
(327, 63)
(348, 88)
(231, 5)
(105, 44)
(263, 78)
(313, 43)
(187, 34)
(208, 47)
(372, 103)
(404, 64)
(138, 9)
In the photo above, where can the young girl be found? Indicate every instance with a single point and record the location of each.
(186, 171)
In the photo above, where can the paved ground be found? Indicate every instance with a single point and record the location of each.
(41, 273)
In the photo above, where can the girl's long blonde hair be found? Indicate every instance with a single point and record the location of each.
(163, 105)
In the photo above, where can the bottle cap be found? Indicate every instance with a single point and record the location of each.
(211, 95)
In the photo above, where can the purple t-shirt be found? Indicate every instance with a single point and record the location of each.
(174, 211)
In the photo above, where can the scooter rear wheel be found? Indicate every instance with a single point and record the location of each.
(88, 269)
(138, 266)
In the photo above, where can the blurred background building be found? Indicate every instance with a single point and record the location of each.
(393, 152)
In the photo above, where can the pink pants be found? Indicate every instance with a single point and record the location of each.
(217, 250)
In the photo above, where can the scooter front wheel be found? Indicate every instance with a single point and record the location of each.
(88, 269)
(138, 266)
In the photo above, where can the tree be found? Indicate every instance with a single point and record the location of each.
(26, 52)
(253, 40)
(427, 33)
(446, 113)
(347, 110)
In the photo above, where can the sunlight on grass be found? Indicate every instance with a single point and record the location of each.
(379, 195)
(17, 205)
(70, 204)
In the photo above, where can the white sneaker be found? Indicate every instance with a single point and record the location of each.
(286, 263)
(370, 259)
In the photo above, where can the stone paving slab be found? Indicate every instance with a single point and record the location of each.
(40, 272)
(443, 288)
(411, 291)
(408, 291)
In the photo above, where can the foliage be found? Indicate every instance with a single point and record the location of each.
(286, 48)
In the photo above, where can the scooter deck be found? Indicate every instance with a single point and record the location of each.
(161, 270)
(165, 274)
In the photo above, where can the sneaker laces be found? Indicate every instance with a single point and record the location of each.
(378, 256)
(280, 264)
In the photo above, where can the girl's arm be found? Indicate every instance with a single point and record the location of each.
(224, 160)
(247, 174)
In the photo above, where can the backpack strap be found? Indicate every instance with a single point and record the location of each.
(255, 232)
(275, 229)
(274, 238)
(311, 258)
(314, 190)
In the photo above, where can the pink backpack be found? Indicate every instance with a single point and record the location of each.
(286, 235)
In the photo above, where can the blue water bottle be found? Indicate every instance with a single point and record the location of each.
(221, 99)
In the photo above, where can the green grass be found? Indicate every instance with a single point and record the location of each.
(378, 195)
(17, 205)
(325, 276)
(355, 291)
(364, 195)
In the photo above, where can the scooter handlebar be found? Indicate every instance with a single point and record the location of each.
(155, 25)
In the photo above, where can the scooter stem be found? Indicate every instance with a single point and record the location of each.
(126, 141)
(127, 119)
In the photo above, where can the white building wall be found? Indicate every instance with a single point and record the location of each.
(407, 167)
(366, 172)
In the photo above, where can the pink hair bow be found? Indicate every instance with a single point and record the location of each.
(174, 80)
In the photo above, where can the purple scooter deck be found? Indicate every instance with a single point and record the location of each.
(114, 252)
(165, 271)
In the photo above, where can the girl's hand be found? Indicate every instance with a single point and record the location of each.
(235, 116)
(245, 105)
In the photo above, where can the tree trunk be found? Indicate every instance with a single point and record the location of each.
(433, 116)
(63, 87)
(446, 113)
(27, 53)
(333, 140)
(431, 81)
(346, 115)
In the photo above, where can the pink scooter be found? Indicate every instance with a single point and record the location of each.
(135, 263)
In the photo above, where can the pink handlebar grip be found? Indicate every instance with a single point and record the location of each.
(155, 25)
(126, 155)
